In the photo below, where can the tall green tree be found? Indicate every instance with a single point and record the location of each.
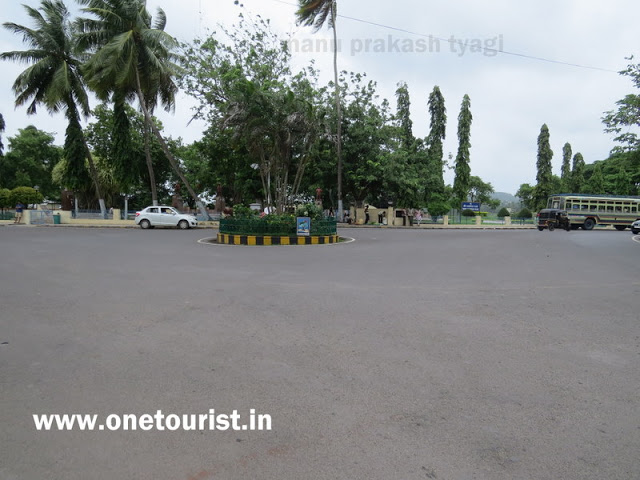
(403, 117)
(366, 132)
(544, 176)
(625, 121)
(317, 13)
(2, 127)
(130, 167)
(244, 85)
(565, 172)
(622, 182)
(54, 79)
(577, 174)
(596, 184)
(30, 160)
(526, 195)
(132, 56)
(434, 184)
(480, 191)
(462, 168)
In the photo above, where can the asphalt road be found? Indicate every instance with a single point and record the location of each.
(426, 354)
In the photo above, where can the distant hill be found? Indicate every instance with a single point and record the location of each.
(505, 197)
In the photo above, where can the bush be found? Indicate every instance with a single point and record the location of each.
(524, 213)
(5, 198)
(310, 210)
(468, 213)
(504, 212)
(242, 211)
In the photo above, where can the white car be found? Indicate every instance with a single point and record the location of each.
(635, 227)
(163, 216)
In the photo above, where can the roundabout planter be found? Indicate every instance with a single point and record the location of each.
(275, 231)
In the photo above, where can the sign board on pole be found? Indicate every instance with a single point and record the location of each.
(475, 206)
(303, 226)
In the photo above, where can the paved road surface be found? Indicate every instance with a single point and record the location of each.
(404, 355)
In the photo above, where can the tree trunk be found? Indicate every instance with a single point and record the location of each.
(165, 149)
(152, 177)
(338, 109)
(94, 176)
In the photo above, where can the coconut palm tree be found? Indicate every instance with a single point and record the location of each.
(54, 80)
(132, 57)
(315, 13)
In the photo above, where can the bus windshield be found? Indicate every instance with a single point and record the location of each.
(556, 202)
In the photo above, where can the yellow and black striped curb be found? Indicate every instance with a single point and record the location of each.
(276, 239)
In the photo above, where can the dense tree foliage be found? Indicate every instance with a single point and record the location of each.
(462, 168)
(565, 172)
(544, 173)
(54, 79)
(30, 161)
(625, 121)
(436, 197)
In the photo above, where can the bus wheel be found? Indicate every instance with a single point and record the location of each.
(588, 224)
(620, 227)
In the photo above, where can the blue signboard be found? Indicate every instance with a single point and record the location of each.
(303, 226)
(471, 206)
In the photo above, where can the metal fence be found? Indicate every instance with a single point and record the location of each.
(91, 215)
(41, 217)
(274, 226)
(7, 216)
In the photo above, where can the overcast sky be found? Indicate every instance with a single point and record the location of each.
(511, 95)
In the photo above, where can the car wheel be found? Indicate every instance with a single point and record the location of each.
(588, 224)
(552, 227)
(144, 224)
(540, 228)
(183, 224)
(620, 227)
(635, 232)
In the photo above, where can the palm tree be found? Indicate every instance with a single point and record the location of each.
(1, 131)
(315, 13)
(131, 57)
(54, 80)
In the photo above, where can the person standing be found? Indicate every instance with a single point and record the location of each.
(19, 209)
(366, 214)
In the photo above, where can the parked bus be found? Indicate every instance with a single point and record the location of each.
(587, 211)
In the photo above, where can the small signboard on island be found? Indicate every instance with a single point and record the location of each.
(303, 226)
(474, 206)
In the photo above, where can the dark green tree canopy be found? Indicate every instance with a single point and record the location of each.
(461, 182)
(625, 121)
(544, 176)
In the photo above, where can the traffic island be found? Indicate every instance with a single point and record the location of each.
(277, 230)
(234, 239)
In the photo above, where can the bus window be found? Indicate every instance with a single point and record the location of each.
(568, 207)
(584, 207)
(619, 208)
(609, 208)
